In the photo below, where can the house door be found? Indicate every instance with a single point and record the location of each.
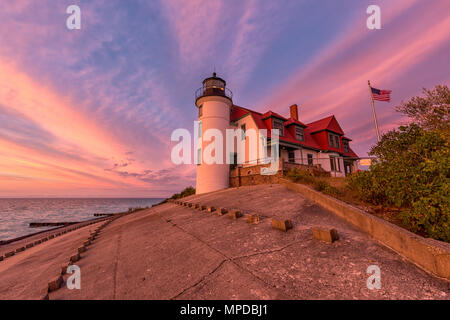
(348, 168)
(310, 159)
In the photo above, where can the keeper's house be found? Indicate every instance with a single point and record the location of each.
(320, 146)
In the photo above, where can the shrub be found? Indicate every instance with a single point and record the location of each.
(320, 185)
(186, 192)
(299, 175)
(412, 173)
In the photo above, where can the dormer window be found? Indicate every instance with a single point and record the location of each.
(278, 124)
(334, 140)
(346, 146)
(299, 134)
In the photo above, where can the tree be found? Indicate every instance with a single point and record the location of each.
(412, 170)
(430, 112)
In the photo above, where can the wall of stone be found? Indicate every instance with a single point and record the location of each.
(251, 175)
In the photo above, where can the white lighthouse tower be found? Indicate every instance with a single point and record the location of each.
(214, 102)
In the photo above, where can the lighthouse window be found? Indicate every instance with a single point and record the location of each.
(199, 129)
(199, 156)
(200, 111)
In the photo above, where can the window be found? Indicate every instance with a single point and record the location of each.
(200, 111)
(310, 159)
(291, 156)
(199, 156)
(346, 145)
(199, 129)
(332, 164)
(233, 160)
(335, 164)
(243, 132)
(334, 140)
(278, 124)
(299, 134)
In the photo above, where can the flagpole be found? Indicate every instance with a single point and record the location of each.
(373, 111)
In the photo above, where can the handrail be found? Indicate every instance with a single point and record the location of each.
(213, 91)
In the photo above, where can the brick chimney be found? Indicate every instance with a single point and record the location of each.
(294, 111)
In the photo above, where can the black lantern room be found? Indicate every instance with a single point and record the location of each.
(214, 86)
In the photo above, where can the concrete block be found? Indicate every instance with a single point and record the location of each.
(74, 258)
(81, 249)
(9, 254)
(44, 239)
(51, 236)
(235, 214)
(283, 225)
(221, 211)
(55, 284)
(1, 258)
(253, 218)
(196, 205)
(325, 234)
(86, 243)
(20, 249)
(37, 242)
(210, 209)
(29, 245)
(201, 207)
(190, 205)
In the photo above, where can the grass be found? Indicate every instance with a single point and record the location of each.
(340, 189)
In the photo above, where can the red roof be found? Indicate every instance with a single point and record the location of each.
(310, 130)
(294, 121)
(272, 114)
(329, 123)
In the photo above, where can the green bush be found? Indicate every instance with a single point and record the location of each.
(299, 175)
(186, 192)
(320, 185)
(412, 173)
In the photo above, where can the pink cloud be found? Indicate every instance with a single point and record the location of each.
(336, 81)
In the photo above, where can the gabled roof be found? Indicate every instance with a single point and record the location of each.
(262, 122)
(351, 153)
(272, 114)
(293, 121)
(239, 112)
(329, 123)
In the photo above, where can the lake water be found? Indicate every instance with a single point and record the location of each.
(16, 214)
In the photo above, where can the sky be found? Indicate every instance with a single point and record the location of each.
(90, 112)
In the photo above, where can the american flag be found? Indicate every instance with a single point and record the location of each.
(381, 95)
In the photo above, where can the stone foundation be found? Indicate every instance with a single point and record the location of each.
(251, 175)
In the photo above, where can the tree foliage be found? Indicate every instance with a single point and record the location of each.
(412, 169)
(430, 112)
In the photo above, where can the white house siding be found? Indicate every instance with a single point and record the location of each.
(325, 163)
(250, 159)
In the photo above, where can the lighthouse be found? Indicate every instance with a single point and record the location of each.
(214, 102)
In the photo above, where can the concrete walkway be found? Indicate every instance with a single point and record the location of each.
(173, 252)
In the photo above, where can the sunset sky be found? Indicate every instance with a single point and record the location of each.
(89, 113)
